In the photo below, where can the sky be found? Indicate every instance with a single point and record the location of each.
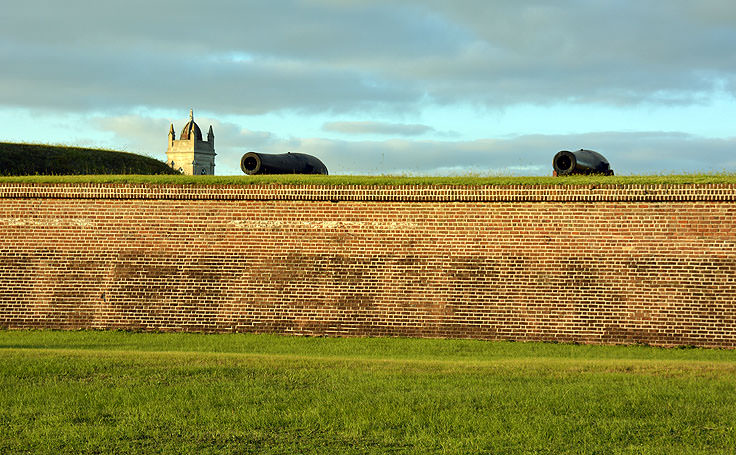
(428, 87)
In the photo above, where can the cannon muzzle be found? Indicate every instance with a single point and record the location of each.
(580, 162)
(287, 163)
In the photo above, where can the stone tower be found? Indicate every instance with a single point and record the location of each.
(190, 154)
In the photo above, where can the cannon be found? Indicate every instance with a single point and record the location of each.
(286, 163)
(580, 162)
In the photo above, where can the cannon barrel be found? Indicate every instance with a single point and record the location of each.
(580, 162)
(286, 163)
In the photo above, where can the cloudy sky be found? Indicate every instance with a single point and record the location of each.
(427, 87)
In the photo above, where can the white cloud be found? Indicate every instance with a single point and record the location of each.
(381, 128)
(360, 55)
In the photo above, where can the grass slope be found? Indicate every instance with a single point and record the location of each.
(37, 159)
(383, 180)
(117, 392)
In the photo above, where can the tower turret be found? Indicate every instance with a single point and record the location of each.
(192, 154)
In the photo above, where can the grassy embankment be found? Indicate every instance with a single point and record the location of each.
(117, 392)
(42, 159)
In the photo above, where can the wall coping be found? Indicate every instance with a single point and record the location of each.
(388, 193)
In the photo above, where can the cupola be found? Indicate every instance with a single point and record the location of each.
(191, 129)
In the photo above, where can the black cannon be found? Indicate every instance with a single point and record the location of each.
(286, 163)
(580, 162)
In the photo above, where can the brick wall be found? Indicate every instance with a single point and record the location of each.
(591, 264)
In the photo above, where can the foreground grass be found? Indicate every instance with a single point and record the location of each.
(364, 180)
(117, 392)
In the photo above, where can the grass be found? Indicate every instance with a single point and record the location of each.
(364, 180)
(42, 159)
(119, 392)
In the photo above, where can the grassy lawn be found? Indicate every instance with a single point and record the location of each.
(379, 180)
(118, 392)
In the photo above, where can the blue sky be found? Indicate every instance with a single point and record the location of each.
(382, 87)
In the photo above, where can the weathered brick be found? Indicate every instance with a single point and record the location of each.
(594, 264)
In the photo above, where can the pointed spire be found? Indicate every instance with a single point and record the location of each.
(191, 115)
(211, 138)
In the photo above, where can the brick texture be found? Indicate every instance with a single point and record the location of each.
(591, 264)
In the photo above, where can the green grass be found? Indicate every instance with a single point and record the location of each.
(119, 392)
(374, 180)
(43, 159)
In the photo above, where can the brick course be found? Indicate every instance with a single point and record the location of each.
(649, 264)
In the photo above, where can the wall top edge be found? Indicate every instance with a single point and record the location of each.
(388, 193)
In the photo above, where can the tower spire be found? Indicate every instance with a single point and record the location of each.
(191, 115)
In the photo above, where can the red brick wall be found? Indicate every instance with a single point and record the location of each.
(590, 264)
